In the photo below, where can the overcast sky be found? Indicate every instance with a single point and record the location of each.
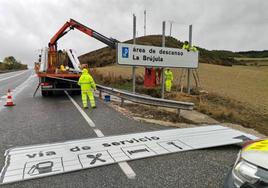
(28, 25)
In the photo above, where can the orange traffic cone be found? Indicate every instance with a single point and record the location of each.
(9, 99)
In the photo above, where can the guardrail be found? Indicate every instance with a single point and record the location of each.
(142, 99)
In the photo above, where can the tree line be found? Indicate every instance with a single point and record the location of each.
(10, 63)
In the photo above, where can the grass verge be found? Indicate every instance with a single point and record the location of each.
(221, 108)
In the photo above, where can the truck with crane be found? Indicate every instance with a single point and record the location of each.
(55, 66)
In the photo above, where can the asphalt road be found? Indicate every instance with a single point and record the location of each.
(54, 119)
(12, 80)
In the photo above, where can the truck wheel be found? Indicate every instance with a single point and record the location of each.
(44, 93)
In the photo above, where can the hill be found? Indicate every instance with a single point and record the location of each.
(106, 56)
(254, 54)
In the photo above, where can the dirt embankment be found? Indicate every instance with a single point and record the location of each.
(225, 109)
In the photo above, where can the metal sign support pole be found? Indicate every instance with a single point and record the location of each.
(189, 70)
(163, 70)
(133, 67)
(144, 22)
(170, 29)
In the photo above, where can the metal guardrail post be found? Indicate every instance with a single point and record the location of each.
(122, 102)
(179, 113)
(100, 94)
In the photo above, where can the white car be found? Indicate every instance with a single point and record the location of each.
(251, 167)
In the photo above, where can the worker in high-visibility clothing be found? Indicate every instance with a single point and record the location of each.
(169, 79)
(186, 46)
(62, 68)
(193, 49)
(87, 86)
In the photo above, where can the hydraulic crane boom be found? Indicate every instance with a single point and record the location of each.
(58, 66)
(70, 25)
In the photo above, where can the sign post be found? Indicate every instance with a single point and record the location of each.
(163, 69)
(133, 67)
(144, 22)
(189, 69)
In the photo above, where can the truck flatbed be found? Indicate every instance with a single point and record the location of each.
(59, 75)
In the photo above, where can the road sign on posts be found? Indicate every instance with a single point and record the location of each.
(141, 55)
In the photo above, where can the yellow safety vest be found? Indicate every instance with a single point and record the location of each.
(193, 48)
(168, 75)
(186, 46)
(86, 81)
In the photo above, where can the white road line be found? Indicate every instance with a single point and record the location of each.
(12, 76)
(22, 86)
(10, 73)
(17, 90)
(89, 121)
(127, 170)
(98, 132)
(123, 165)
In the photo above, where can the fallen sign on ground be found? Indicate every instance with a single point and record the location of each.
(23, 163)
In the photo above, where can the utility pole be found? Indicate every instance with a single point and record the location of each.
(163, 70)
(133, 67)
(170, 29)
(144, 22)
(189, 70)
